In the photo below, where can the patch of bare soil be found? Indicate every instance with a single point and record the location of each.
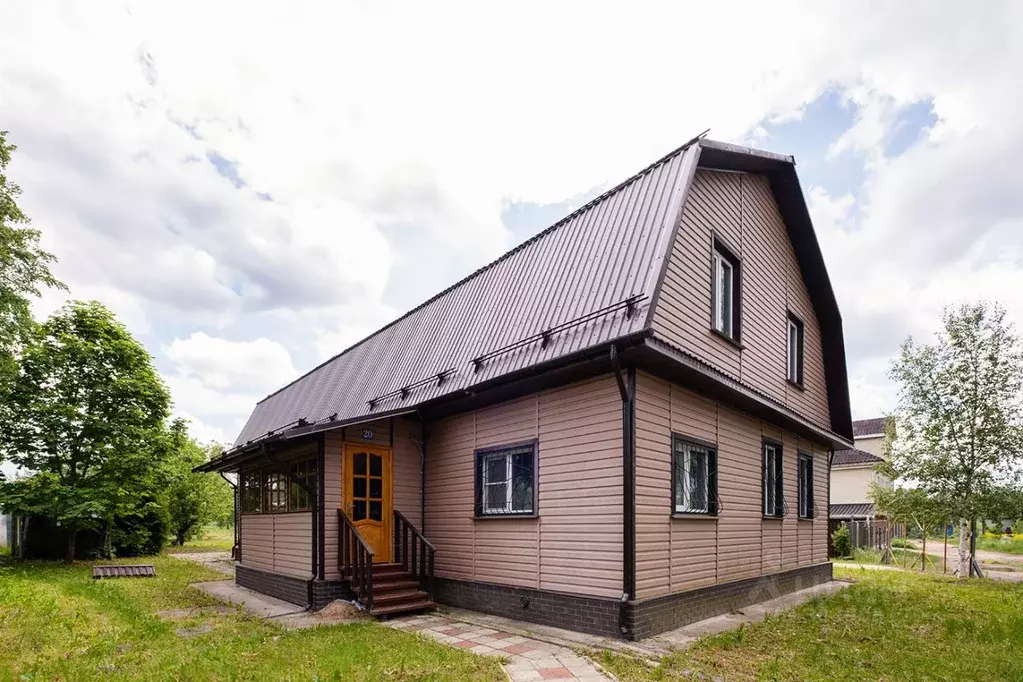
(339, 611)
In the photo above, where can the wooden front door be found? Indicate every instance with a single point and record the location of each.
(368, 487)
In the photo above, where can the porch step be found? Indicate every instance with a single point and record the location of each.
(396, 591)
(395, 609)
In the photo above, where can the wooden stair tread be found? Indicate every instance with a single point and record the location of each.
(406, 607)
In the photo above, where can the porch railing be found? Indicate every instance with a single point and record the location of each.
(414, 552)
(355, 559)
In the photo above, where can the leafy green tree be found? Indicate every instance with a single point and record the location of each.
(24, 270)
(85, 412)
(912, 507)
(194, 500)
(960, 415)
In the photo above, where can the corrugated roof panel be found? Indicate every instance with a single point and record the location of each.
(602, 254)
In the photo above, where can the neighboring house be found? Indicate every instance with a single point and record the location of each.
(621, 426)
(853, 471)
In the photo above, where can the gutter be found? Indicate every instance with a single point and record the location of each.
(627, 389)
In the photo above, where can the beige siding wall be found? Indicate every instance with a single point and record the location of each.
(851, 485)
(407, 481)
(280, 542)
(874, 446)
(575, 544)
(678, 554)
(740, 209)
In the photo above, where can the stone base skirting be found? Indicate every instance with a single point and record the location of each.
(653, 616)
(291, 589)
(643, 618)
(595, 615)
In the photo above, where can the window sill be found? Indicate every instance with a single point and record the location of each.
(728, 339)
(796, 385)
(694, 515)
(805, 518)
(494, 517)
(773, 518)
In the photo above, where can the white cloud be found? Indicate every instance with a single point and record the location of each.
(223, 364)
(353, 127)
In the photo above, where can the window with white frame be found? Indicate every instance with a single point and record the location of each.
(774, 500)
(805, 486)
(795, 350)
(506, 480)
(725, 292)
(694, 477)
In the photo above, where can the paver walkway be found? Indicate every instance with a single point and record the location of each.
(529, 660)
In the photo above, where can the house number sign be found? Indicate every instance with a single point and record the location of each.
(367, 434)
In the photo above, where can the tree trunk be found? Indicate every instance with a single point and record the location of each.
(964, 548)
(181, 537)
(69, 552)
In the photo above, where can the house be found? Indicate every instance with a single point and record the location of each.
(854, 469)
(621, 426)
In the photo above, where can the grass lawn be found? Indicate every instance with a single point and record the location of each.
(890, 625)
(214, 539)
(904, 558)
(1010, 546)
(56, 623)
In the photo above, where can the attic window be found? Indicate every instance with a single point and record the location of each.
(795, 350)
(725, 292)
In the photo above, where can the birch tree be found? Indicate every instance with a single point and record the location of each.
(960, 425)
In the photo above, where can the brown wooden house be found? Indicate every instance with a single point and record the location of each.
(621, 426)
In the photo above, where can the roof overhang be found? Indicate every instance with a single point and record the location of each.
(231, 459)
(667, 361)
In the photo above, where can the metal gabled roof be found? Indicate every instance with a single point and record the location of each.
(590, 277)
(593, 278)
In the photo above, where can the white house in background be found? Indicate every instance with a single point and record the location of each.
(853, 470)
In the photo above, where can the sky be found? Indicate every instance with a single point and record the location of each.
(253, 186)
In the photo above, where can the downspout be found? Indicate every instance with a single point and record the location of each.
(237, 519)
(314, 520)
(627, 389)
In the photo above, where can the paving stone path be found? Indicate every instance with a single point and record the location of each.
(529, 660)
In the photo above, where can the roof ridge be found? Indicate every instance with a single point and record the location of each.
(546, 231)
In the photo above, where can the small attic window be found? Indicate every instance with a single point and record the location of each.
(725, 289)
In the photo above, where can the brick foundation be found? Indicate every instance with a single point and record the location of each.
(595, 615)
(292, 589)
(644, 618)
(652, 616)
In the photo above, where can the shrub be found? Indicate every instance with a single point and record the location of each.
(841, 541)
(899, 542)
(141, 534)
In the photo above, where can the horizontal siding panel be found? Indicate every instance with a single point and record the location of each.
(740, 209)
(674, 555)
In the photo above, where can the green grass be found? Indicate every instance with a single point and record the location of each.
(890, 625)
(1013, 546)
(214, 539)
(904, 558)
(56, 623)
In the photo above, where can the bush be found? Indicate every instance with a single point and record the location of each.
(141, 534)
(899, 542)
(841, 542)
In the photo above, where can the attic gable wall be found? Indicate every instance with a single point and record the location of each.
(741, 210)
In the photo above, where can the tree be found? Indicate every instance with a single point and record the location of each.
(24, 270)
(86, 411)
(960, 425)
(194, 500)
(910, 506)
